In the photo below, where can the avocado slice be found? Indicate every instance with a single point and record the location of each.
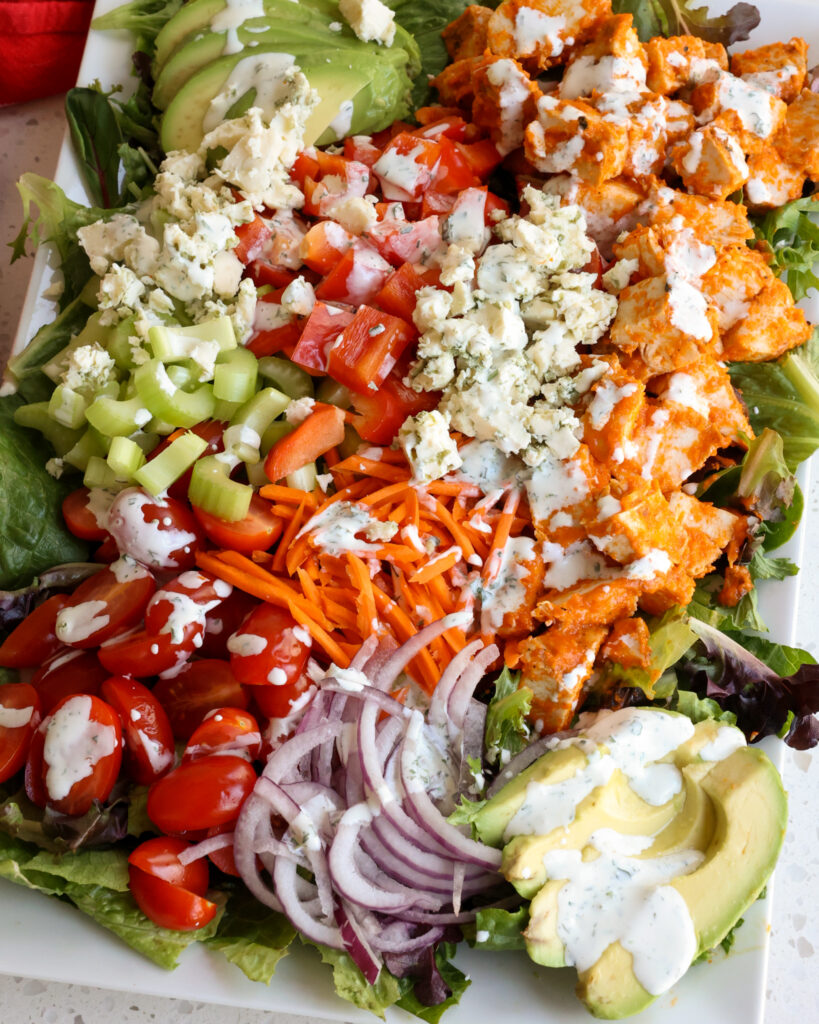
(730, 812)
(196, 17)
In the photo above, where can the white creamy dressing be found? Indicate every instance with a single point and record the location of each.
(335, 529)
(126, 570)
(682, 389)
(618, 897)
(246, 645)
(727, 740)
(588, 74)
(184, 611)
(159, 756)
(580, 561)
(513, 93)
(270, 315)
(533, 28)
(78, 622)
(231, 18)
(267, 73)
(343, 120)
(607, 396)
(74, 745)
(147, 542)
(399, 173)
(753, 105)
(505, 593)
(15, 718)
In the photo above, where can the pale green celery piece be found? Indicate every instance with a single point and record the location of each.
(35, 416)
(94, 333)
(157, 475)
(67, 407)
(304, 478)
(88, 296)
(287, 377)
(275, 432)
(212, 489)
(119, 345)
(99, 474)
(332, 393)
(351, 443)
(261, 410)
(235, 375)
(225, 411)
(171, 343)
(184, 374)
(166, 401)
(117, 417)
(256, 474)
(125, 457)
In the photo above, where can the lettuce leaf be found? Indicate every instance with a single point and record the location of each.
(351, 984)
(791, 237)
(436, 987)
(506, 727)
(143, 18)
(425, 19)
(670, 639)
(499, 929)
(700, 709)
(684, 17)
(252, 936)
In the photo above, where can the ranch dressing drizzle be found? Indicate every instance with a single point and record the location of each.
(74, 744)
(267, 73)
(231, 19)
(617, 897)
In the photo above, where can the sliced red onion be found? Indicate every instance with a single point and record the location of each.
(395, 938)
(206, 846)
(283, 763)
(356, 944)
(465, 687)
(313, 927)
(399, 660)
(437, 713)
(457, 887)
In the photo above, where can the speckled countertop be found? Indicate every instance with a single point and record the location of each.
(31, 137)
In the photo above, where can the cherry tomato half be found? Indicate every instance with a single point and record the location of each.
(200, 687)
(269, 648)
(223, 857)
(184, 602)
(222, 623)
(80, 519)
(201, 794)
(148, 735)
(34, 639)
(258, 531)
(110, 601)
(69, 671)
(75, 755)
(169, 893)
(225, 731)
(19, 717)
(160, 533)
(143, 654)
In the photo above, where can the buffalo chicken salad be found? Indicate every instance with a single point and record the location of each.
(385, 506)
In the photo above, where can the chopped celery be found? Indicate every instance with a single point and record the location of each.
(117, 418)
(200, 342)
(275, 432)
(184, 375)
(35, 416)
(125, 457)
(157, 475)
(212, 489)
(225, 411)
(166, 401)
(99, 474)
(304, 478)
(261, 410)
(67, 407)
(235, 375)
(289, 378)
(256, 474)
(333, 393)
(88, 296)
(119, 343)
(242, 442)
(93, 333)
(90, 444)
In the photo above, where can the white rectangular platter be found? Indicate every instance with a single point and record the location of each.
(43, 938)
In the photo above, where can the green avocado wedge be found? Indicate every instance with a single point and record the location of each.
(377, 89)
(709, 849)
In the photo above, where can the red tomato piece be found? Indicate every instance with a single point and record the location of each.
(167, 905)
(279, 701)
(407, 166)
(379, 414)
(402, 241)
(183, 603)
(360, 148)
(144, 654)
(79, 518)
(324, 245)
(223, 857)
(454, 172)
(304, 167)
(70, 670)
(322, 430)
(357, 277)
(159, 857)
(368, 348)
(252, 237)
(19, 717)
(110, 601)
(481, 156)
(221, 623)
(161, 533)
(225, 731)
(149, 746)
(201, 794)
(75, 755)
(201, 686)
(258, 531)
(399, 294)
(33, 641)
(319, 333)
(269, 648)
(107, 552)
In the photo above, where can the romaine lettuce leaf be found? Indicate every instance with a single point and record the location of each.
(499, 929)
(252, 936)
(351, 984)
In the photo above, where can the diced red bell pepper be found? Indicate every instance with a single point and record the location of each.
(407, 166)
(402, 241)
(324, 245)
(322, 430)
(368, 349)
(304, 167)
(379, 414)
(386, 135)
(357, 277)
(451, 126)
(434, 202)
(399, 294)
(252, 237)
(493, 203)
(320, 331)
(360, 148)
(281, 339)
(263, 273)
(454, 172)
(482, 156)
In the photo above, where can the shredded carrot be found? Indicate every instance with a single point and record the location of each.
(360, 578)
(287, 495)
(436, 565)
(492, 565)
(379, 470)
(287, 538)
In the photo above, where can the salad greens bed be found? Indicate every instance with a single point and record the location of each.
(705, 662)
